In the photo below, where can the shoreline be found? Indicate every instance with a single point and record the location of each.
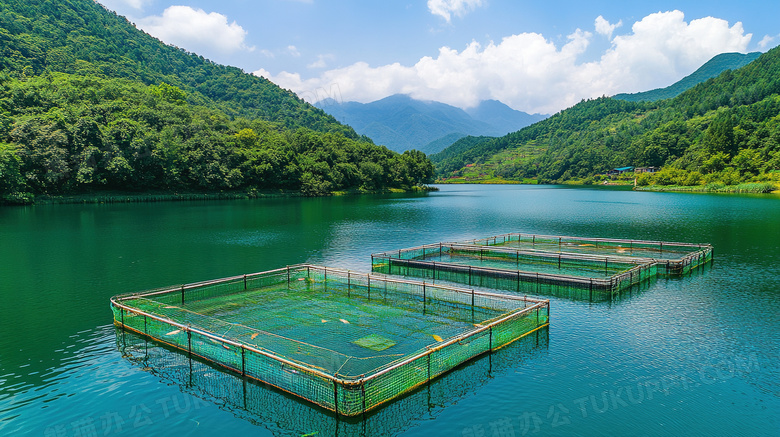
(173, 196)
(743, 188)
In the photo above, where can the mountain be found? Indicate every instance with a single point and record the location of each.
(502, 117)
(84, 38)
(402, 123)
(89, 104)
(725, 130)
(442, 143)
(458, 147)
(710, 69)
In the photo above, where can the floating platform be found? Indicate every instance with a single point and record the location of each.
(545, 265)
(348, 342)
(672, 258)
(260, 403)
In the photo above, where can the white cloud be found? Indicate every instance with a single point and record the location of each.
(446, 8)
(121, 5)
(531, 73)
(767, 42)
(293, 51)
(663, 48)
(321, 62)
(196, 30)
(603, 27)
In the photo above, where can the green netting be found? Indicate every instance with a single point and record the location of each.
(200, 379)
(346, 341)
(524, 272)
(674, 258)
(570, 267)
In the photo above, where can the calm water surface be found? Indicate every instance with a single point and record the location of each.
(697, 355)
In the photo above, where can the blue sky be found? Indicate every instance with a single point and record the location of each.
(540, 56)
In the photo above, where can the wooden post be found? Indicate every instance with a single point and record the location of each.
(363, 392)
(243, 361)
(429, 367)
(336, 396)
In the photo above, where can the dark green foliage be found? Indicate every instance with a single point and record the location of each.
(11, 180)
(71, 134)
(726, 129)
(455, 149)
(88, 102)
(82, 37)
(712, 68)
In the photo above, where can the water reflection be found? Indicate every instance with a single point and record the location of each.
(284, 414)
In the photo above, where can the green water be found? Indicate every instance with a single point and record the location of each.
(696, 355)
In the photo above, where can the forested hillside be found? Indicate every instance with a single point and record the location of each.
(82, 37)
(724, 130)
(712, 68)
(89, 103)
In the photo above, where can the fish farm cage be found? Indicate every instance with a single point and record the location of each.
(260, 403)
(544, 265)
(348, 342)
(672, 258)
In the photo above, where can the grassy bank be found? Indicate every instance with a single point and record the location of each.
(716, 187)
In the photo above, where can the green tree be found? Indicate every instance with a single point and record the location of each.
(748, 162)
(168, 93)
(719, 137)
(11, 180)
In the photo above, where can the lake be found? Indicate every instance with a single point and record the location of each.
(697, 355)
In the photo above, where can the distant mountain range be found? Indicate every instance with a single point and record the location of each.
(403, 123)
(712, 68)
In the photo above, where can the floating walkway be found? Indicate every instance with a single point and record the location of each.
(348, 342)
